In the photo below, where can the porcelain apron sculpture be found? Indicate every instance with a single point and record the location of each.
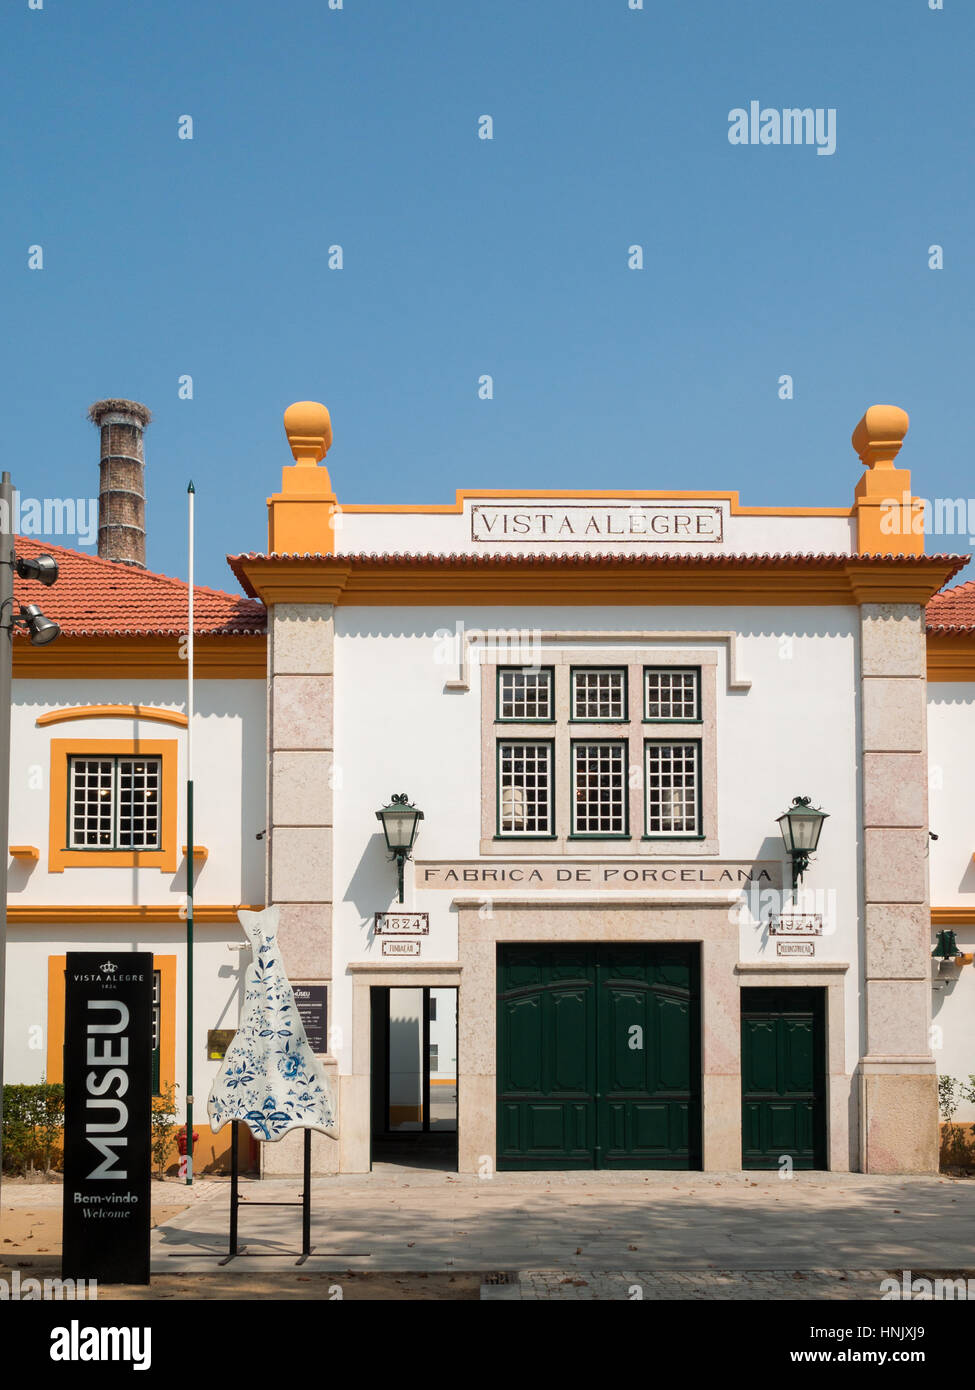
(270, 1078)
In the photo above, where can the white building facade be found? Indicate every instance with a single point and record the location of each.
(602, 702)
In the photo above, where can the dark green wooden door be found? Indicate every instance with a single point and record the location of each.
(648, 1072)
(598, 1057)
(783, 1077)
(546, 1057)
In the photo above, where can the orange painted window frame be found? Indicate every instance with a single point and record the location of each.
(166, 965)
(59, 857)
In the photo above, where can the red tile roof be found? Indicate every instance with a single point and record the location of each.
(953, 610)
(101, 598)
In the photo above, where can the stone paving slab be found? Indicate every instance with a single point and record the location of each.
(411, 1220)
(709, 1284)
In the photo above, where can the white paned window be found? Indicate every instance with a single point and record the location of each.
(673, 788)
(599, 788)
(115, 803)
(598, 694)
(525, 695)
(672, 694)
(525, 788)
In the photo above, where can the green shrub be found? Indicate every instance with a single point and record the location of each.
(33, 1124)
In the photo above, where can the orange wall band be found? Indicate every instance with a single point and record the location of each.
(152, 657)
(509, 494)
(108, 914)
(853, 582)
(162, 716)
(952, 916)
(951, 656)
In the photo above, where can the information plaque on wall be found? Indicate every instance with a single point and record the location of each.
(311, 1001)
(107, 1102)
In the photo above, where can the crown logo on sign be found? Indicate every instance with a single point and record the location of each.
(109, 968)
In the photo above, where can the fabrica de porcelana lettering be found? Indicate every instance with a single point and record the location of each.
(607, 875)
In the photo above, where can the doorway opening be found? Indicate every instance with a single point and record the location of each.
(414, 1076)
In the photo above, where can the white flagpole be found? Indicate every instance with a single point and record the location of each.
(190, 847)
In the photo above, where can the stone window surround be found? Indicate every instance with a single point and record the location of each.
(542, 918)
(563, 731)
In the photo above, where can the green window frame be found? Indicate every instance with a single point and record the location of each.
(596, 777)
(672, 689)
(668, 779)
(532, 770)
(575, 672)
(508, 672)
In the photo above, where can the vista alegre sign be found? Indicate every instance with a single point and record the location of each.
(612, 523)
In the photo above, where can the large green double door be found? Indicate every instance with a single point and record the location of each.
(599, 1057)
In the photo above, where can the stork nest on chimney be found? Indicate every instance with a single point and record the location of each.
(100, 408)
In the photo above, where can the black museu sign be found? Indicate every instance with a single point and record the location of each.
(107, 1102)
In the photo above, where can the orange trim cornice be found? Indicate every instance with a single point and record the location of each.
(28, 852)
(576, 580)
(110, 914)
(463, 495)
(163, 716)
(953, 916)
(951, 656)
(151, 656)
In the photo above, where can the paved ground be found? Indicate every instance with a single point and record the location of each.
(710, 1226)
(697, 1284)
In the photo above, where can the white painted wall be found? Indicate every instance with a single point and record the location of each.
(951, 779)
(229, 773)
(397, 730)
(229, 761)
(440, 533)
(217, 977)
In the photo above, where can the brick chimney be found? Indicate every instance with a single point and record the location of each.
(122, 489)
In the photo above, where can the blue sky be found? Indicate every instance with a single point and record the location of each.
(462, 256)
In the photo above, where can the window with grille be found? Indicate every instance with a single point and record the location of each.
(525, 788)
(525, 694)
(599, 694)
(115, 803)
(599, 789)
(673, 788)
(672, 694)
(434, 1056)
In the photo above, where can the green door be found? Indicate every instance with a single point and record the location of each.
(598, 1057)
(648, 1106)
(783, 1077)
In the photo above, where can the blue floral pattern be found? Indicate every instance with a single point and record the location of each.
(270, 1078)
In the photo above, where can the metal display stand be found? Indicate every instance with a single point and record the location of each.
(236, 1202)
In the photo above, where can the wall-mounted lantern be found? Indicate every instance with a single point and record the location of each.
(946, 947)
(400, 821)
(801, 826)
